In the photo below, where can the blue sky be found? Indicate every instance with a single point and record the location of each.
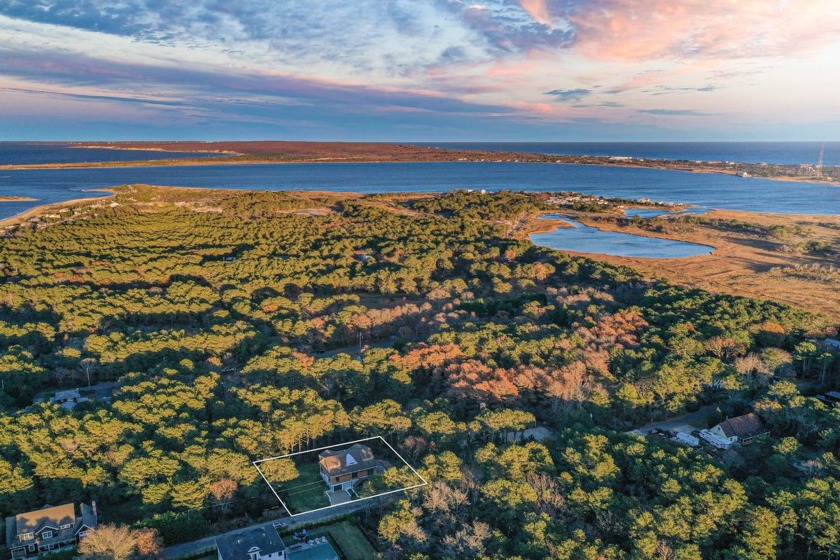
(434, 70)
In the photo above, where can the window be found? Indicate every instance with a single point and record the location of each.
(25, 536)
(47, 535)
(67, 526)
(31, 548)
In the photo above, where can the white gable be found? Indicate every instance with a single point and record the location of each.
(351, 460)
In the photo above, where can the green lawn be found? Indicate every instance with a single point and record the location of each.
(350, 539)
(306, 492)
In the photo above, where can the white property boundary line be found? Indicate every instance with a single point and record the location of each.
(276, 495)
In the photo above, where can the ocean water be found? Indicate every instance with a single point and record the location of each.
(585, 239)
(792, 153)
(700, 189)
(29, 153)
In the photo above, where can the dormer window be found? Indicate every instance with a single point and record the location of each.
(26, 536)
(47, 535)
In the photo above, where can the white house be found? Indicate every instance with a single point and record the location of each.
(68, 399)
(259, 543)
(741, 429)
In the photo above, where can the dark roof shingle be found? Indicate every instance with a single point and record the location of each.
(746, 426)
(239, 545)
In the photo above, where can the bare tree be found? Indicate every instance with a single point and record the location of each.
(223, 491)
(109, 542)
(550, 498)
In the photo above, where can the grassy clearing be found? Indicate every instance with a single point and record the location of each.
(306, 492)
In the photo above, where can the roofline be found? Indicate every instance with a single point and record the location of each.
(83, 526)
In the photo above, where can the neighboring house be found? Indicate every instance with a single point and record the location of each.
(741, 429)
(832, 344)
(830, 398)
(68, 399)
(260, 543)
(341, 469)
(49, 529)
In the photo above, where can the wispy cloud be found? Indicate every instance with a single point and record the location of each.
(564, 95)
(419, 64)
(540, 10)
(668, 90)
(690, 29)
(674, 112)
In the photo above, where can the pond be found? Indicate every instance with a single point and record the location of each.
(585, 239)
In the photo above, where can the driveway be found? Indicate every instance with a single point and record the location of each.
(539, 433)
(685, 423)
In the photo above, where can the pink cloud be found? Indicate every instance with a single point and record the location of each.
(539, 10)
(645, 29)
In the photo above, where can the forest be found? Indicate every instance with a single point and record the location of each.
(227, 326)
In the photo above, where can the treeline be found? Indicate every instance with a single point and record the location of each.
(233, 339)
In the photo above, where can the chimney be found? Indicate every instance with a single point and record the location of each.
(93, 506)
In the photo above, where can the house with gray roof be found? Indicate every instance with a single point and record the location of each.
(832, 344)
(257, 543)
(49, 529)
(68, 399)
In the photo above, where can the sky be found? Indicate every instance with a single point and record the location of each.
(420, 70)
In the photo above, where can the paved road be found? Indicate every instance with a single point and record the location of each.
(200, 546)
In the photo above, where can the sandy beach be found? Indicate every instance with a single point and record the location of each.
(51, 207)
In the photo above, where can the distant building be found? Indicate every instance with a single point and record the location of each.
(343, 468)
(259, 543)
(741, 429)
(68, 399)
(49, 529)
